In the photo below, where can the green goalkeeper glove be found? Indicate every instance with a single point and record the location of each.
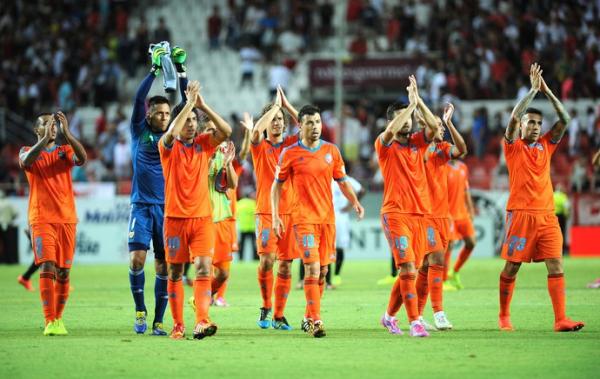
(156, 51)
(179, 55)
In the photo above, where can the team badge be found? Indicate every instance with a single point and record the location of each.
(328, 158)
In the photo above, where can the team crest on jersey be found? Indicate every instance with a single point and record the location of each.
(328, 158)
(198, 148)
(62, 154)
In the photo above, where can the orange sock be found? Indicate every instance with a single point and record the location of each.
(282, 288)
(507, 285)
(556, 288)
(447, 259)
(409, 296)
(47, 295)
(436, 287)
(313, 297)
(202, 296)
(222, 289)
(395, 298)
(462, 258)
(422, 291)
(265, 282)
(175, 291)
(61, 292)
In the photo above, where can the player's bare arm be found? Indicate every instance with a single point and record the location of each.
(276, 189)
(232, 178)
(27, 158)
(560, 127)
(596, 159)
(470, 206)
(457, 139)
(387, 136)
(177, 124)
(248, 124)
(223, 128)
(535, 77)
(287, 105)
(431, 124)
(80, 154)
(263, 123)
(349, 194)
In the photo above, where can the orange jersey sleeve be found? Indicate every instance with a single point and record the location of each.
(185, 168)
(438, 156)
(405, 188)
(458, 185)
(310, 172)
(51, 197)
(265, 156)
(528, 166)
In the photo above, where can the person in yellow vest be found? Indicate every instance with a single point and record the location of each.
(246, 208)
(562, 208)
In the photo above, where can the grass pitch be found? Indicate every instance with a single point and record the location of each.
(101, 342)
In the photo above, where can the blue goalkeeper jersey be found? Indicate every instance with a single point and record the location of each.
(148, 184)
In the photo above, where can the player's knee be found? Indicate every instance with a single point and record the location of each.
(175, 271)
(137, 260)
(63, 273)
(470, 243)
(407, 268)
(285, 268)
(202, 271)
(323, 272)
(160, 266)
(554, 266)
(222, 275)
(312, 270)
(436, 258)
(48, 267)
(266, 263)
(511, 268)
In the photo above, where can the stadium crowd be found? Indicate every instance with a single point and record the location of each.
(478, 49)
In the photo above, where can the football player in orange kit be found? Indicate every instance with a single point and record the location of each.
(401, 156)
(52, 215)
(188, 227)
(265, 154)
(532, 230)
(431, 273)
(310, 165)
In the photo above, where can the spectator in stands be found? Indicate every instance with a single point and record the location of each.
(279, 75)
(249, 56)
(122, 157)
(161, 33)
(214, 26)
(326, 12)
(359, 46)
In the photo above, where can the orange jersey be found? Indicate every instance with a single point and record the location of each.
(185, 168)
(264, 157)
(528, 166)
(458, 184)
(51, 197)
(405, 183)
(438, 156)
(310, 172)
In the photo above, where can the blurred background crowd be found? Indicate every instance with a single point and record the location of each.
(75, 56)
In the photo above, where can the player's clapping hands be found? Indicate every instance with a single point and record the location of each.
(247, 122)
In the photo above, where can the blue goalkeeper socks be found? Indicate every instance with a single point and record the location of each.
(136, 282)
(161, 296)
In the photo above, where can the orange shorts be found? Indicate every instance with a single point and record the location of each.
(54, 243)
(463, 228)
(438, 234)
(187, 238)
(406, 235)
(224, 244)
(531, 237)
(316, 242)
(267, 241)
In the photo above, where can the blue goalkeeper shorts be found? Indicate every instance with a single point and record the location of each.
(145, 225)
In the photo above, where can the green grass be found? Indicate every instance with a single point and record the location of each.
(101, 343)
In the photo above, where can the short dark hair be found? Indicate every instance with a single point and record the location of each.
(42, 114)
(308, 110)
(393, 108)
(534, 111)
(157, 100)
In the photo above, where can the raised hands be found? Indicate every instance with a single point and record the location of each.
(228, 152)
(448, 112)
(247, 121)
(192, 91)
(535, 76)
